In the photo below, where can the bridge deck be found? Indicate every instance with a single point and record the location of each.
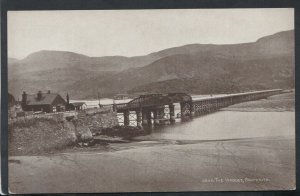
(150, 109)
(234, 95)
(165, 99)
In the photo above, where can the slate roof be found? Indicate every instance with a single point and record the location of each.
(47, 99)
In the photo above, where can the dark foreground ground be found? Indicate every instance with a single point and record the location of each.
(249, 164)
(266, 163)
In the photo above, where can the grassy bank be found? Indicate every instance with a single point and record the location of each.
(36, 136)
(42, 136)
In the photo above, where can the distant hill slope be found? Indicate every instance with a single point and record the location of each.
(47, 60)
(267, 63)
(196, 68)
(225, 75)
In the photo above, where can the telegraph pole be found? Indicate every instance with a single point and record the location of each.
(100, 106)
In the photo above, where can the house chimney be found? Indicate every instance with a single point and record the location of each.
(49, 91)
(39, 95)
(68, 99)
(24, 99)
(68, 102)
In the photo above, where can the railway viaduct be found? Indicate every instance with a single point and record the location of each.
(160, 109)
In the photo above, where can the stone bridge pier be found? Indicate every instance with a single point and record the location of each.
(187, 110)
(155, 115)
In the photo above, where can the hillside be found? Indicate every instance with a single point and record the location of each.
(198, 74)
(196, 68)
(56, 80)
(228, 76)
(267, 63)
(47, 60)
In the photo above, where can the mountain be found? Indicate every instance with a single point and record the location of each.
(198, 74)
(56, 80)
(47, 60)
(56, 70)
(279, 43)
(223, 76)
(266, 63)
(195, 68)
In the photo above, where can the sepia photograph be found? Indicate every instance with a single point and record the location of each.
(151, 100)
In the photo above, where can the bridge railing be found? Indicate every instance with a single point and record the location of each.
(206, 105)
(257, 93)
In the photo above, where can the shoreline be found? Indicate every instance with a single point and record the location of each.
(151, 168)
(134, 143)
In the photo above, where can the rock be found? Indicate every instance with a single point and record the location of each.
(72, 136)
(86, 135)
(83, 133)
(69, 118)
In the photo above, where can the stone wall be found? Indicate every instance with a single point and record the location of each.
(29, 136)
(98, 121)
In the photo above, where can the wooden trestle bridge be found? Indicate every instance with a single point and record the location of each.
(160, 109)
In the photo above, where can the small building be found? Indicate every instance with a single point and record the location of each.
(121, 96)
(77, 106)
(44, 102)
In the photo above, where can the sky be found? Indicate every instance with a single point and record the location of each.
(138, 32)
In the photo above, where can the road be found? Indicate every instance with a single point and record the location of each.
(244, 164)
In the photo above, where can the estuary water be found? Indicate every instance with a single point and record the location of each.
(224, 125)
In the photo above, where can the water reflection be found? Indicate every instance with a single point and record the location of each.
(227, 125)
